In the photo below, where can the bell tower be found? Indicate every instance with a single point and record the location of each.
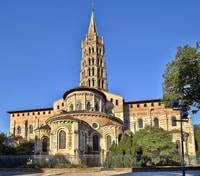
(93, 67)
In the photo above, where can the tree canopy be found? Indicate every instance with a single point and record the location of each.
(155, 146)
(25, 148)
(148, 147)
(182, 77)
(197, 139)
(4, 149)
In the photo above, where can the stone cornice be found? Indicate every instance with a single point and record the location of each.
(112, 127)
(82, 88)
(30, 110)
(71, 116)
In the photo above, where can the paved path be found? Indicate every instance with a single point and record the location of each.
(102, 173)
(92, 172)
(171, 173)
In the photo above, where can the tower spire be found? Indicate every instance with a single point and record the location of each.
(93, 66)
(92, 27)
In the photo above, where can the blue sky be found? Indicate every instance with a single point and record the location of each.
(40, 47)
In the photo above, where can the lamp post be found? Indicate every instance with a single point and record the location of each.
(182, 149)
(183, 108)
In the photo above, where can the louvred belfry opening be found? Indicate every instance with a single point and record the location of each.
(93, 67)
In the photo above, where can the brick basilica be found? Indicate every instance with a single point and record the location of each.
(88, 118)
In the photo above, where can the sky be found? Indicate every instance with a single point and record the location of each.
(40, 47)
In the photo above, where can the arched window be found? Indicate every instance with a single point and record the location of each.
(85, 142)
(81, 141)
(89, 61)
(95, 143)
(92, 61)
(89, 50)
(88, 82)
(93, 82)
(71, 107)
(92, 49)
(30, 129)
(88, 105)
(98, 72)
(174, 121)
(89, 72)
(156, 122)
(140, 123)
(96, 106)
(93, 71)
(18, 130)
(108, 142)
(44, 144)
(62, 139)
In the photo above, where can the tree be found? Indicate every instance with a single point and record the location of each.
(25, 148)
(4, 149)
(197, 139)
(154, 146)
(147, 147)
(182, 77)
(2, 139)
(121, 155)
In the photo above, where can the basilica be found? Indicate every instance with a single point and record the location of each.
(87, 119)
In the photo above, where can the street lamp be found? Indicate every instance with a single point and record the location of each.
(183, 108)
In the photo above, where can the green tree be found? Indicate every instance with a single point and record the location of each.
(4, 149)
(148, 147)
(2, 139)
(197, 139)
(121, 155)
(25, 148)
(155, 147)
(182, 77)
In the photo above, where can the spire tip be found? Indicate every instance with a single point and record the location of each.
(92, 7)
